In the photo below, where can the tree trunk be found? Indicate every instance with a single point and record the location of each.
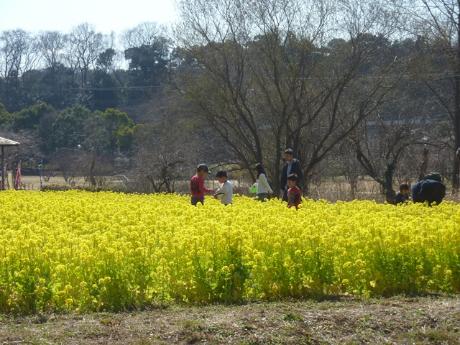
(388, 184)
(456, 162)
(456, 167)
(306, 185)
(276, 176)
(353, 181)
(424, 166)
(152, 183)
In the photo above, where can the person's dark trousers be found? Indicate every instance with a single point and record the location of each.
(400, 199)
(197, 199)
(262, 197)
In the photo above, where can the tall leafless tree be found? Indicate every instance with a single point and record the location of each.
(439, 22)
(17, 53)
(144, 34)
(84, 47)
(265, 77)
(381, 149)
(51, 46)
(161, 157)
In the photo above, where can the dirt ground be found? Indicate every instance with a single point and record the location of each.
(345, 321)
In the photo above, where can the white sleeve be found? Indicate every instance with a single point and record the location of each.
(263, 180)
(229, 189)
(219, 190)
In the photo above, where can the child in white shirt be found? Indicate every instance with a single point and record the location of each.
(225, 191)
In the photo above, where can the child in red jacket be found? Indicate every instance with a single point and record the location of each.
(197, 187)
(294, 193)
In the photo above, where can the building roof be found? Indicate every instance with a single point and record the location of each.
(8, 142)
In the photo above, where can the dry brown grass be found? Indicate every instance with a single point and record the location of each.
(331, 189)
(345, 321)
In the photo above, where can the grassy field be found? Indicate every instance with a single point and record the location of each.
(395, 320)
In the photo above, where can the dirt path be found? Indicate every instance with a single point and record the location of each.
(385, 321)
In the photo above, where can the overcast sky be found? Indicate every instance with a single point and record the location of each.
(62, 15)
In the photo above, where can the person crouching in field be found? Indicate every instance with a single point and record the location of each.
(294, 194)
(429, 189)
(404, 194)
(197, 187)
(263, 187)
(225, 191)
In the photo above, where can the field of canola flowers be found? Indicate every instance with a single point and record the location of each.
(79, 251)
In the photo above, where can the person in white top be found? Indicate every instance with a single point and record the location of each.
(263, 187)
(225, 191)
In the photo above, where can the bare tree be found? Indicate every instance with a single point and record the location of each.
(160, 157)
(69, 163)
(51, 45)
(348, 165)
(264, 77)
(144, 34)
(381, 148)
(17, 53)
(438, 21)
(84, 47)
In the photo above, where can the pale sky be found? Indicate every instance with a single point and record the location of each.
(105, 15)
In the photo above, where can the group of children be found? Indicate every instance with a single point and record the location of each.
(199, 190)
(428, 189)
(225, 191)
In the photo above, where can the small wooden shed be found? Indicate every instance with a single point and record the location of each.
(5, 143)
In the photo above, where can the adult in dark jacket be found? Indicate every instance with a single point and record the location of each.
(430, 189)
(291, 166)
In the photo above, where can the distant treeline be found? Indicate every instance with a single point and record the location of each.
(82, 67)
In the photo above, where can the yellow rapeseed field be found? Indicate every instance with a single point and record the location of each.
(79, 251)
